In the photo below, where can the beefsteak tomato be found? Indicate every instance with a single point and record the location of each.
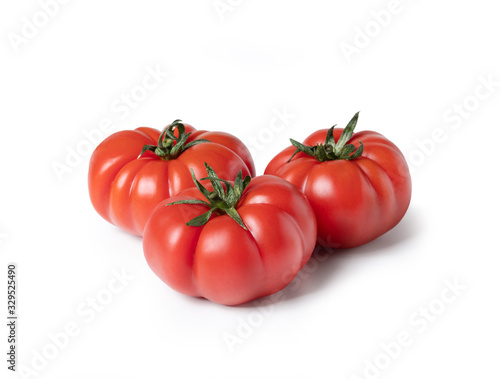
(129, 175)
(358, 184)
(231, 242)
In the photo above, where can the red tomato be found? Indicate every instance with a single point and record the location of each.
(234, 249)
(358, 184)
(125, 187)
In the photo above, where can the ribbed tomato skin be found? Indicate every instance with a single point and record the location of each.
(220, 260)
(125, 188)
(355, 201)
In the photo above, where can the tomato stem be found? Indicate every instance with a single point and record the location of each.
(331, 150)
(221, 200)
(169, 146)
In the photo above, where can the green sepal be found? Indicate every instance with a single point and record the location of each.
(301, 148)
(233, 213)
(145, 148)
(331, 150)
(330, 141)
(346, 134)
(221, 200)
(193, 201)
(201, 219)
(169, 146)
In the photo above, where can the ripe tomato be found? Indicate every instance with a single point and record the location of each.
(244, 241)
(358, 184)
(126, 185)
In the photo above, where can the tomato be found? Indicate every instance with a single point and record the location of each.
(125, 185)
(243, 240)
(358, 184)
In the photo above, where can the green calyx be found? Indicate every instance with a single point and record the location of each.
(331, 151)
(169, 146)
(221, 201)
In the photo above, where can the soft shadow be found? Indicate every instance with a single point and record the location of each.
(406, 230)
(321, 269)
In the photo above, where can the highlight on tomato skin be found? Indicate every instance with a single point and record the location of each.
(231, 241)
(131, 171)
(358, 184)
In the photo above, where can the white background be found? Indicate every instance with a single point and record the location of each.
(232, 70)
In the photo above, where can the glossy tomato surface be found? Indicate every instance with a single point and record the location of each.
(125, 188)
(220, 260)
(355, 201)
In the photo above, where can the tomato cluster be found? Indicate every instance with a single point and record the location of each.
(241, 237)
